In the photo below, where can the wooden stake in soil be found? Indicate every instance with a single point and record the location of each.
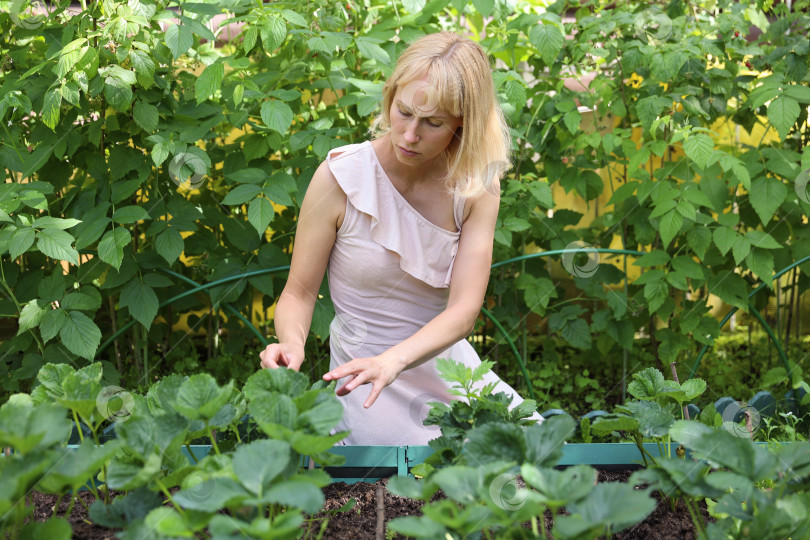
(380, 513)
(675, 377)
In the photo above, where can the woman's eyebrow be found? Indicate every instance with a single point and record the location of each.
(408, 109)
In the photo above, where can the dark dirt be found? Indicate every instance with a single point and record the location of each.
(361, 522)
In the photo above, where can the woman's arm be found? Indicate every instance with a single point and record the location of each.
(468, 285)
(320, 217)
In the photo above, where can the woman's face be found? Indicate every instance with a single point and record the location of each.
(420, 130)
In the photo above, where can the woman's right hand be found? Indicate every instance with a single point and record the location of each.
(277, 355)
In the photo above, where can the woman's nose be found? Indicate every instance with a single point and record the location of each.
(412, 131)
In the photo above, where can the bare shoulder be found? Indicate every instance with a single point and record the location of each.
(485, 205)
(324, 200)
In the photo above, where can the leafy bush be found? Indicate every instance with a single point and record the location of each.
(138, 142)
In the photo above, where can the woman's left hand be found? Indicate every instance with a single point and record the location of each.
(379, 371)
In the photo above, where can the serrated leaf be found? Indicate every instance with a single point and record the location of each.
(763, 240)
(242, 194)
(654, 258)
(141, 301)
(130, 214)
(30, 316)
(277, 115)
(767, 195)
(257, 464)
(145, 115)
(170, 244)
(783, 113)
(724, 238)
(48, 222)
(209, 81)
(51, 107)
(671, 223)
(549, 41)
(52, 322)
(21, 240)
(761, 263)
(260, 214)
(57, 244)
(179, 39)
(201, 398)
(369, 49)
(111, 246)
(80, 335)
(699, 149)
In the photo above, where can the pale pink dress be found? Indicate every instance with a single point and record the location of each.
(389, 275)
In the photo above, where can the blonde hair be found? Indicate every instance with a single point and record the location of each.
(459, 79)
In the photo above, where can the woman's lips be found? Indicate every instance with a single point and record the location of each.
(406, 152)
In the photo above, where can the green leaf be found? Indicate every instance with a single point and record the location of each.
(80, 335)
(653, 420)
(762, 240)
(648, 383)
(118, 93)
(671, 223)
(219, 493)
(699, 149)
(260, 214)
(179, 39)
(52, 321)
(144, 67)
(25, 426)
(688, 267)
(57, 244)
(767, 195)
(761, 263)
(369, 49)
(257, 464)
(549, 41)
(242, 194)
(612, 506)
(577, 333)
(693, 388)
(51, 107)
(48, 222)
(145, 115)
(87, 299)
(654, 258)
(21, 240)
(209, 81)
(130, 214)
(141, 301)
(273, 33)
(783, 113)
(200, 397)
(724, 238)
(111, 246)
(277, 115)
(52, 529)
(170, 244)
(31, 315)
(604, 426)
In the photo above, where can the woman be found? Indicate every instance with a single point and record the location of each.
(405, 223)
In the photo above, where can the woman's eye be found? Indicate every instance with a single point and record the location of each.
(404, 113)
(434, 124)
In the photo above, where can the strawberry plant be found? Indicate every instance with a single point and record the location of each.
(260, 484)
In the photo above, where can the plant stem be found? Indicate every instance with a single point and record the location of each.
(169, 496)
(213, 440)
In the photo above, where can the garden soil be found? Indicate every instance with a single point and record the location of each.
(363, 521)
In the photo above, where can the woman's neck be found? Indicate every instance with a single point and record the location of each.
(404, 175)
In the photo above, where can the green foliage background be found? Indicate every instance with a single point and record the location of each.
(138, 138)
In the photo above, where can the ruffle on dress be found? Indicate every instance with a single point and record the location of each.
(426, 251)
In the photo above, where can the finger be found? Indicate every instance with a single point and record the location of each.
(342, 391)
(269, 363)
(373, 395)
